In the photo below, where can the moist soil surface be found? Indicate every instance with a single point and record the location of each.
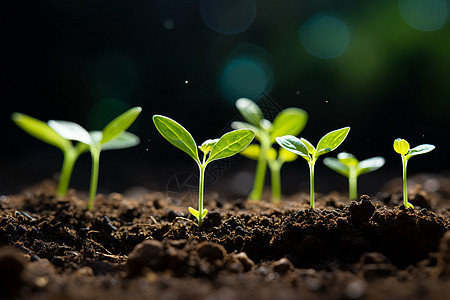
(148, 247)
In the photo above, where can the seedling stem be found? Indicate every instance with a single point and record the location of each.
(95, 153)
(405, 187)
(311, 180)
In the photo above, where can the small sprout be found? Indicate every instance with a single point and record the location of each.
(112, 137)
(402, 147)
(45, 133)
(290, 121)
(228, 145)
(305, 149)
(275, 161)
(346, 164)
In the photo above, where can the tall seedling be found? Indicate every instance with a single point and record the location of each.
(401, 146)
(113, 136)
(228, 145)
(305, 149)
(290, 121)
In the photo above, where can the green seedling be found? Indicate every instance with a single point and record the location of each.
(275, 160)
(290, 121)
(346, 164)
(402, 147)
(113, 136)
(228, 145)
(45, 133)
(305, 149)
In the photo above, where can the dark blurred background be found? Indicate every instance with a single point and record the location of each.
(381, 67)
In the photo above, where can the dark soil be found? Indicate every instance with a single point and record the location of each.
(148, 246)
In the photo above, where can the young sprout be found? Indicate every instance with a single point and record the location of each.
(228, 145)
(113, 136)
(402, 147)
(45, 133)
(305, 149)
(347, 165)
(275, 161)
(290, 121)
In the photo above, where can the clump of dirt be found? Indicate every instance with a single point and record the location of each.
(148, 246)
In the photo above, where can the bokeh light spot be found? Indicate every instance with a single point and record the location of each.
(424, 15)
(104, 111)
(325, 36)
(248, 72)
(168, 24)
(244, 77)
(228, 16)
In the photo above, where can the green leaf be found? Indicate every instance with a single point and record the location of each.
(177, 135)
(204, 212)
(401, 146)
(124, 140)
(231, 143)
(207, 145)
(347, 159)
(71, 131)
(331, 140)
(421, 149)
(290, 121)
(194, 212)
(286, 156)
(40, 130)
(294, 145)
(249, 111)
(336, 165)
(120, 124)
(370, 165)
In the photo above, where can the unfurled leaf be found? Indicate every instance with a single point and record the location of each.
(249, 111)
(336, 165)
(177, 135)
(290, 121)
(332, 140)
(40, 130)
(421, 149)
(231, 143)
(294, 145)
(71, 131)
(204, 212)
(370, 165)
(401, 146)
(120, 124)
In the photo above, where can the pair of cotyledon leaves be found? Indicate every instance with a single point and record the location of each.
(346, 161)
(289, 121)
(402, 147)
(59, 133)
(113, 136)
(228, 145)
(305, 149)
